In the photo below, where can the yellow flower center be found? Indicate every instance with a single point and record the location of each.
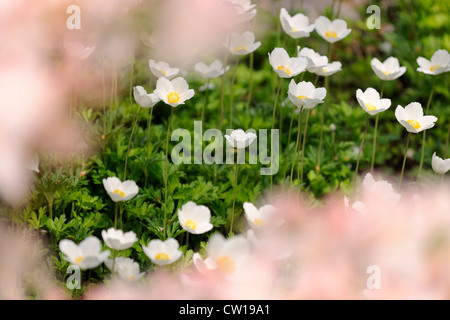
(436, 66)
(301, 97)
(370, 106)
(294, 30)
(131, 277)
(324, 70)
(173, 97)
(226, 264)
(119, 192)
(283, 68)
(386, 73)
(414, 124)
(191, 224)
(237, 48)
(162, 256)
(79, 259)
(331, 34)
(163, 72)
(260, 222)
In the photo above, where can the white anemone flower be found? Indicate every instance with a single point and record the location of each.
(120, 191)
(77, 50)
(412, 118)
(305, 94)
(126, 268)
(390, 69)
(314, 58)
(163, 252)
(228, 255)
(261, 217)
(328, 69)
(370, 101)
(173, 92)
(331, 31)
(214, 70)
(379, 191)
(240, 139)
(439, 165)
(195, 218)
(86, 255)
(296, 26)
(117, 239)
(285, 66)
(163, 69)
(144, 99)
(241, 44)
(439, 63)
(358, 208)
(204, 266)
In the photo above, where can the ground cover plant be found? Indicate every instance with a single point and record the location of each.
(224, 149)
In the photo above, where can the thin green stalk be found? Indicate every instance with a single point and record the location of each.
(374, 145)
(250, 92)
(303, 147)
(115, 215)
(131, 75)
(234, 197)
(446, 141)
(404, 159)
(149, 124)
(114, 261)
(206, 99)
(322, 122)
(339, 9)
(424, 131)
(288, 143)
(129, 144)
(359, 155)
(167, 172)
(186, 251)
(232, 92)
(273, 118)
(297, 144)
(104, 99)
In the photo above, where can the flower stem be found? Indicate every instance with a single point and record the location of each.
(359, 155)
(322, 121)
(273, 118)
(297, 144)
(424, 132)
(131, 75)
(129, 144)
(288, 143)
(234, 197)
(374, 145)
(186, 251)
(250, 84)
(115, 215)
(404, 159)
(167, 172)
(303, 147)
(206, 100)
(149, 124)
(446, 141)
(232, 92)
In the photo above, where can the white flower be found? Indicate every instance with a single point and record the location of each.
(204, 266)
(358, 207)
(228, 255)
(163, 252)
(370, 101)
(331, 31)
(126, 268)
(412, 118)
(314, 58)
(285, 66)
(439, 165)
(209, 86)
(297, 26)
(86, 255)
(378, 191)
(212, 71)
(390, 69)
(240, 139)
(144, 99)
(328, 69)
(120, 191)
(305, 94)
(241, 44)
(117, 240)
(163, 69)
(439, 63)
(259, 218)
(150, 40)
(195, 218)
(173, 92)
(77, 50)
